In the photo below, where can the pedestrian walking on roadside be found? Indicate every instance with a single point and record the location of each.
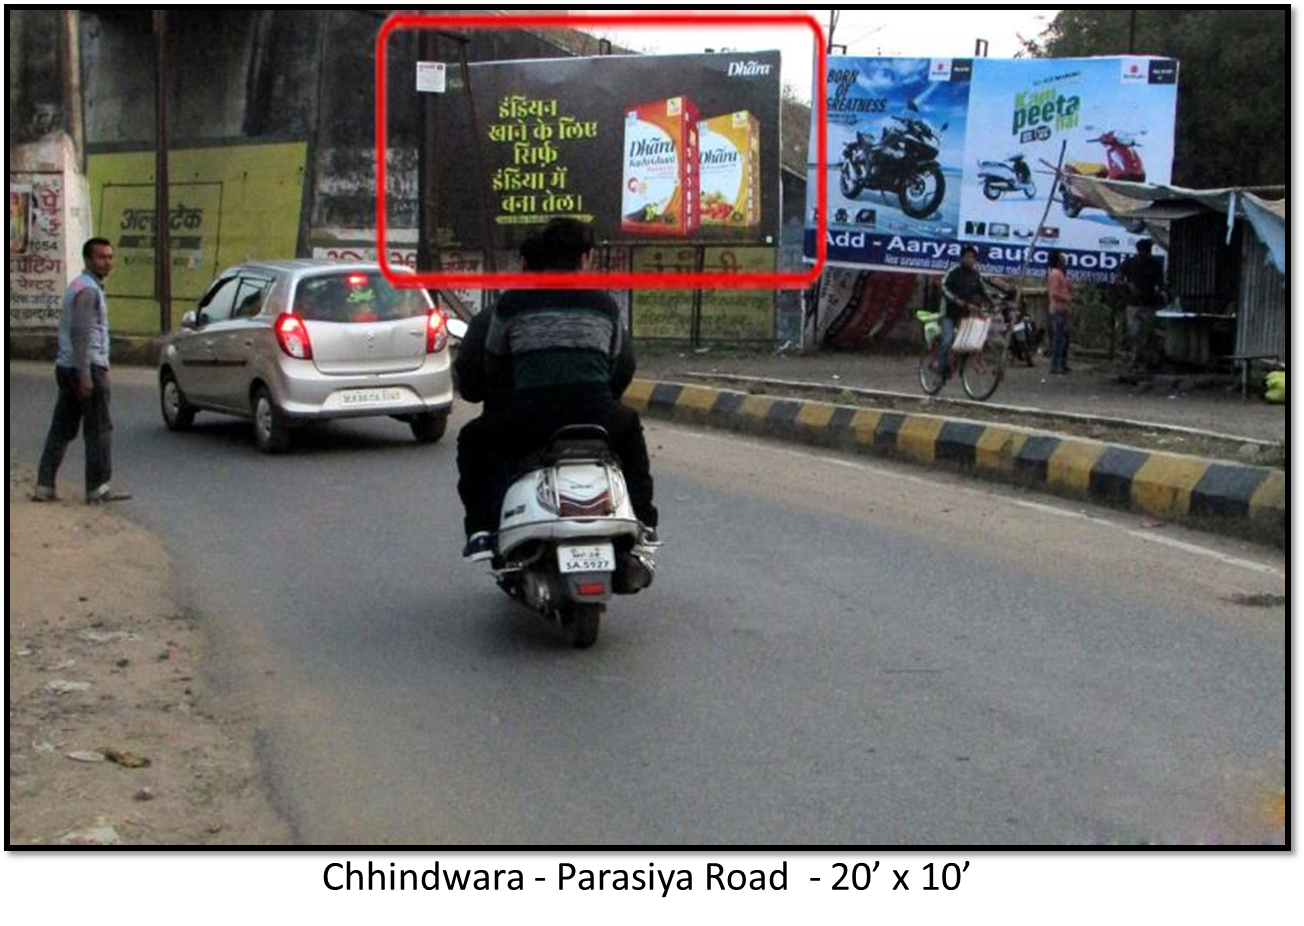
(1060, 298)
(82, 373)
(1143, 274)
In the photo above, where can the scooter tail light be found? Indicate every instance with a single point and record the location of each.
(599, 506)
(594, 588)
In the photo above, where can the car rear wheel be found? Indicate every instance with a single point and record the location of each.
(429, 428)
(178, 414)
(271, 433)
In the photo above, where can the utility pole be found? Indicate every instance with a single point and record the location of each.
(70, 74)
(428, 258)
(162, 242)
(1131, 32)
(833, 27)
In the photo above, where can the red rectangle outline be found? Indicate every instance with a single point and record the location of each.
(631, 280)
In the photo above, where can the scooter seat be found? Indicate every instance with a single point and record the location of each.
(570, 444)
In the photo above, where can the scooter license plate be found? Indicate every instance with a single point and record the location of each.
(592, 557)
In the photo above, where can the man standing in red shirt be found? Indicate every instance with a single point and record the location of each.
(1061, 296)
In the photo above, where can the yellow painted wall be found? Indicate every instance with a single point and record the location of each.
(229, 204)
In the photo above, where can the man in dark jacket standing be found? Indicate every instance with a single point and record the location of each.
(1143, 273)
(540, 360)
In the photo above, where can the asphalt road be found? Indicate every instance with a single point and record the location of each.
(836, 651)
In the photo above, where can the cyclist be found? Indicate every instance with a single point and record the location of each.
(963, 292)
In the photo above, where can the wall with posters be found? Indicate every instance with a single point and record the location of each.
(976, 141)
(726, 314)
(228, 204)
(49, 219)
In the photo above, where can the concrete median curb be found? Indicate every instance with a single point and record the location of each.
(1231, 498)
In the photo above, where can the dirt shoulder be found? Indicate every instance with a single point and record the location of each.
(112, 738)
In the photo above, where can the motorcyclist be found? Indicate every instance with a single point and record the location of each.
(540, 360)
(963, 292)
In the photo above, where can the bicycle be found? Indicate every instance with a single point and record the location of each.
(975, 355)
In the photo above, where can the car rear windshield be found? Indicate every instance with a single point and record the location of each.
(356, 296)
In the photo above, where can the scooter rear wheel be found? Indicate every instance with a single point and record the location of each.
(584, 622)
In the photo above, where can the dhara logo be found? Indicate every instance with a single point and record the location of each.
(748, 69)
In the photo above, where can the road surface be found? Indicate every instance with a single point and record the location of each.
(836, 651)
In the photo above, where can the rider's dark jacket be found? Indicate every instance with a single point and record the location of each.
(544, 339)
(961, 285)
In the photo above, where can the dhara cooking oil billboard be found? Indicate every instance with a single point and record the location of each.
(641, 148)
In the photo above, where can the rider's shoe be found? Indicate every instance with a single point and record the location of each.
(479, 547)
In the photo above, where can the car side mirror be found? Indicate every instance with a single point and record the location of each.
(190, 320)
(457, 329)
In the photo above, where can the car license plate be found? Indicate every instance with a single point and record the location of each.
(594, 557)
(354, 398)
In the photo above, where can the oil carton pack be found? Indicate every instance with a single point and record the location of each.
(661, 170)
(730, 147)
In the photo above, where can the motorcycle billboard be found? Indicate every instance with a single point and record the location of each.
(927, 155)
(641, 148)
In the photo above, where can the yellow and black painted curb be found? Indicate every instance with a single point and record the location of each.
(1233, 498)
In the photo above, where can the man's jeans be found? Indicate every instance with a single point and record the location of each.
(944, 345)
(73, 413)
(1059, 341)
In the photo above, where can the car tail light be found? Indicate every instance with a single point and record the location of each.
(292, 335)
(436, 332)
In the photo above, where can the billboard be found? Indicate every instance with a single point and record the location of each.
(677, 148)
(926, 155)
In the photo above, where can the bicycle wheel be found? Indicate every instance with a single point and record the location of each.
(930, 380)
(982, 371)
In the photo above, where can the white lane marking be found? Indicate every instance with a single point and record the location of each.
(1056, 510)
(1042, 507)
(1205, 551)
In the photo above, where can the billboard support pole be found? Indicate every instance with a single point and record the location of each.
(695, 326)
(490, 260)
(1027, 255)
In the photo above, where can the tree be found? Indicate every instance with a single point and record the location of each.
(1232, 117)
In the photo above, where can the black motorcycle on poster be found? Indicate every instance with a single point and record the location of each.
(901, 161)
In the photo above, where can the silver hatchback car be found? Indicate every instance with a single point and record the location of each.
(290, 342)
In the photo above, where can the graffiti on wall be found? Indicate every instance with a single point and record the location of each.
(37, 274)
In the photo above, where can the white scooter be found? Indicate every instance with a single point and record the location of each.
(1012, 175)
(567, 537)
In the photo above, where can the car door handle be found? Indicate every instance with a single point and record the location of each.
(249, 342)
